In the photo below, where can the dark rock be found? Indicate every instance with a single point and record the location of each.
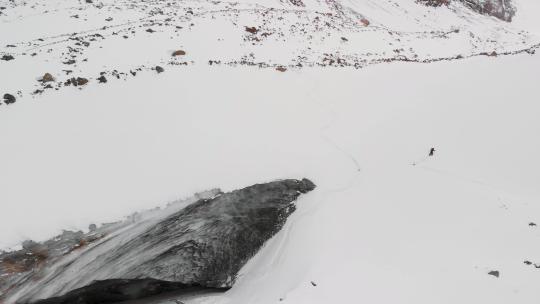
(252, 29)
(531, 224)
(159, 69)
(178, 53)
(527, 263)
(281, 69)
(203, 245)
(150, 30)
(7, 58)
(79, 81)
(9, 99)
(313, 283)
(494, 273)
(102, 79)
(47, 78)
(82, 81)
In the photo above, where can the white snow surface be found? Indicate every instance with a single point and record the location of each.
(386, 224)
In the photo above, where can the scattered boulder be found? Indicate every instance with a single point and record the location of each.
(9, 99)
(47, 78)
(159, 69)
(365, 22)
(150, 30)
(313, 283)
(92, 227)
(79, 81)
(494, 273)
(252, 29)
(531, 224)
(281, 69)
(102, 79)
(7, 58)
(178, 53)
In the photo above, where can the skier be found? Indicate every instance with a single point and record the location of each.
(432, 151)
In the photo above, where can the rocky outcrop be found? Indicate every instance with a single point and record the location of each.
(201, 245)
(502, 9)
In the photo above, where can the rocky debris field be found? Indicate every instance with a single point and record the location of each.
(81, 43)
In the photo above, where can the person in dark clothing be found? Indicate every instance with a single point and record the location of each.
(432, 151)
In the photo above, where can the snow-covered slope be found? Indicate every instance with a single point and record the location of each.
(378, 229)
(118, 39)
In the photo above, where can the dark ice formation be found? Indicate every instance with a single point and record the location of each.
(201, 243)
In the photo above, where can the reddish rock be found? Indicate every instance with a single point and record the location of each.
(364, 21)
(178, 53)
